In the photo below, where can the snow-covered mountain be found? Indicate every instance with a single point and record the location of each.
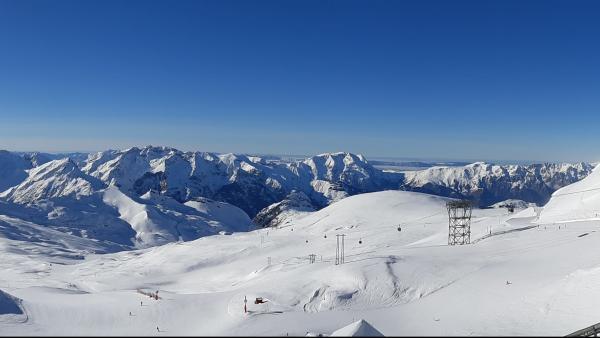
(276, 214)
(488, 184)
(253, 183)
(54, 179)
(248, 182)
(147, 196)
(59, 195)
(13, 169)
(579, 201)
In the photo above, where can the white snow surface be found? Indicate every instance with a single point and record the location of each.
(579, 201)
(357, 329)
(517, 278)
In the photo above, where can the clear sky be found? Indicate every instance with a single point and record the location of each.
(482, 80)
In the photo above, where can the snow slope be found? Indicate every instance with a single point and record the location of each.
(519, 280)
(58, 178)
(579, 201)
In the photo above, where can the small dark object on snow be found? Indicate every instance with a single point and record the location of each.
(508, 283)
(259, 300)
(399, 229)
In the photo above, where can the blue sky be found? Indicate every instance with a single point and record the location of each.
(480, 80)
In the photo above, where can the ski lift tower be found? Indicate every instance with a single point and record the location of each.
(459, 222)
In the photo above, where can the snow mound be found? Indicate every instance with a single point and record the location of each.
(9, 305)
(576, 202)
(372, 210)
(360, 328)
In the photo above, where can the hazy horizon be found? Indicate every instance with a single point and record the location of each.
(300, 156)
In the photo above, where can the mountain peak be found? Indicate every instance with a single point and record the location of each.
(58, 178)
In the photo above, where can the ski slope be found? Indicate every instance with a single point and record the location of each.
(519, 277)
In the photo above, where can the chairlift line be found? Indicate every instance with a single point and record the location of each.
(576, 192)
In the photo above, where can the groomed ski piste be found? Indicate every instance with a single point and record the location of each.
(532, 272)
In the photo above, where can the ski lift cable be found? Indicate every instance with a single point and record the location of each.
(424, 217)
(576, 192)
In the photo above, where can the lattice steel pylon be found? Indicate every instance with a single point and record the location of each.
(459, 222)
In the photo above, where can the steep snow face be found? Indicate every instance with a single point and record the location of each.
(59, 178)
(352, 172)
(575, 202)
(168, 175)
(345, 166)
(278, 213)
(126, 166)
(13, 169)
(489, 184)
(94, 160)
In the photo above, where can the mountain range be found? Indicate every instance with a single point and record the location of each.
(147, 196)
